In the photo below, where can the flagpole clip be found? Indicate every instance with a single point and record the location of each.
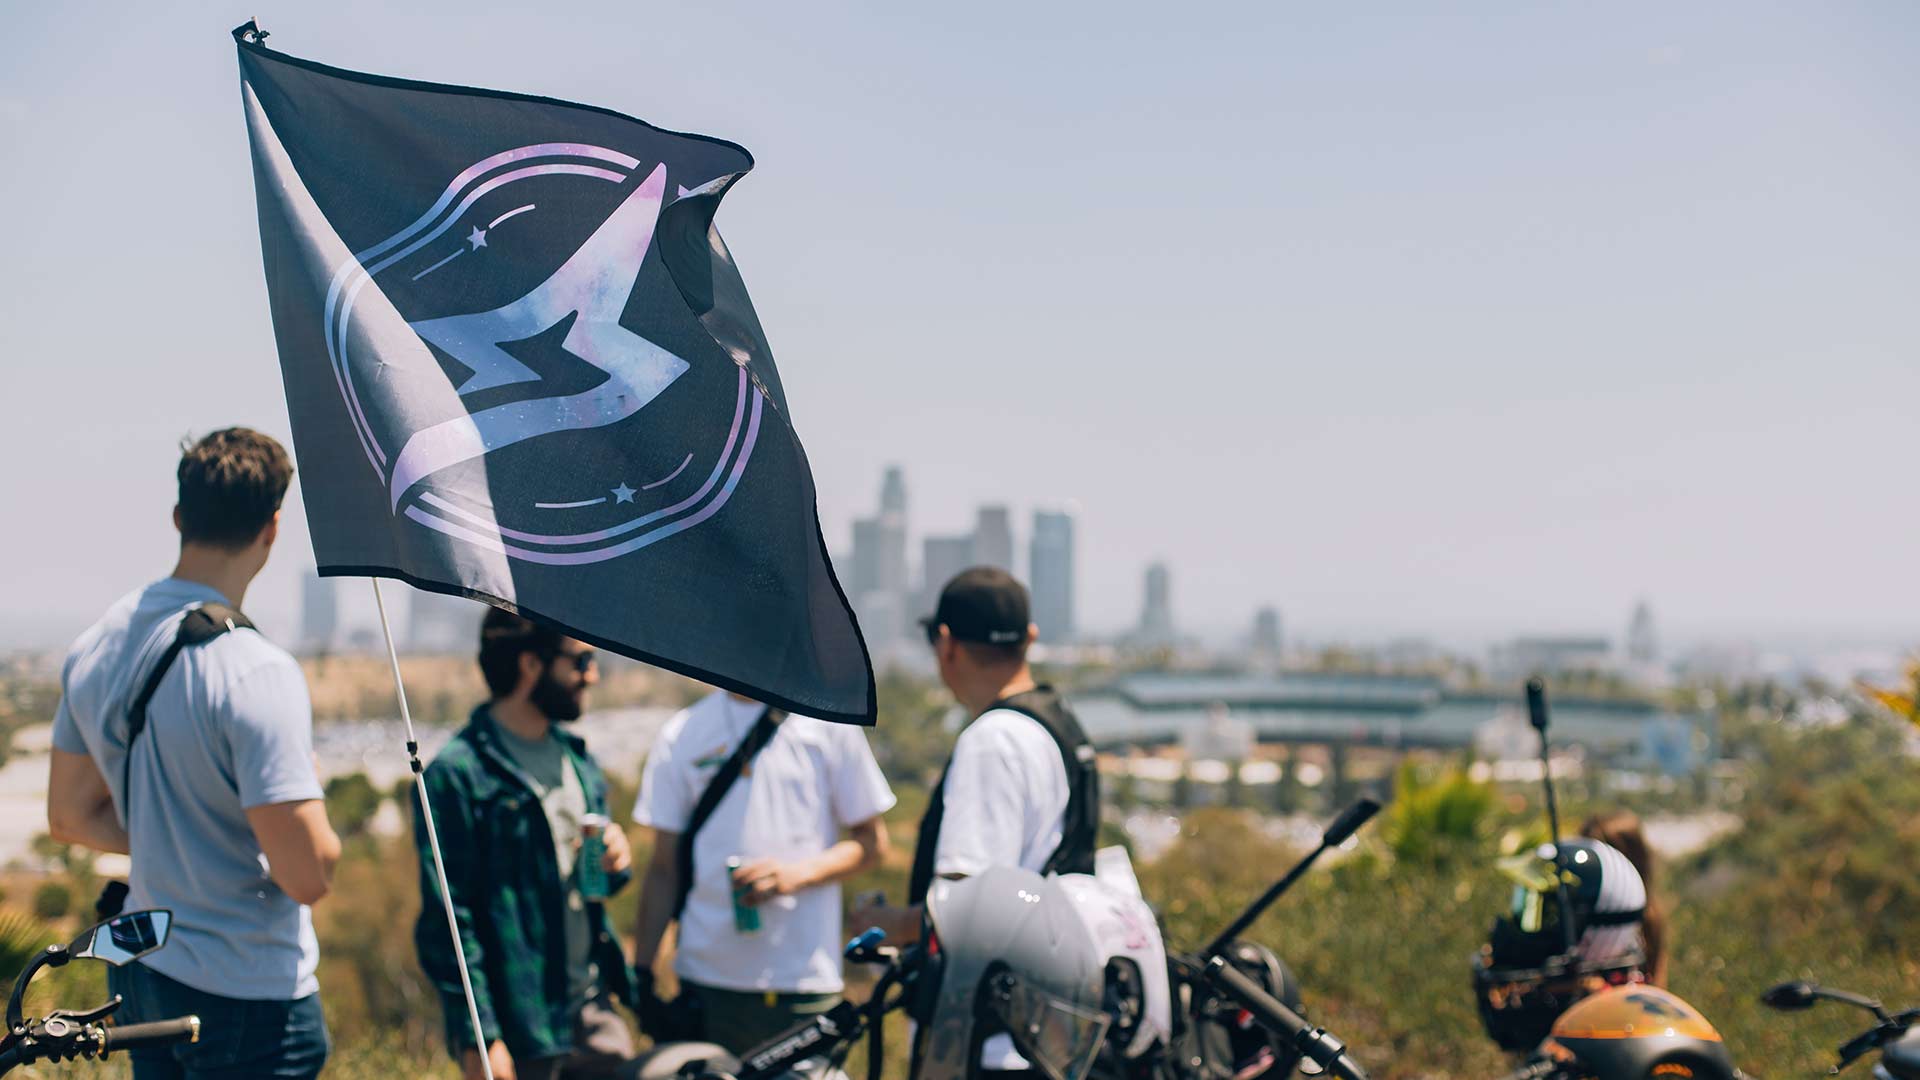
(250, 32)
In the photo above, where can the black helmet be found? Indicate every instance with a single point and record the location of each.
(1524, 977)
(1639, 1033)
(1222, 1039)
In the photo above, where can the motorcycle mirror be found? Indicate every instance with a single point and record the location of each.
(1790, 996)
(1349, 822)
(123, 938)
(1537, 704)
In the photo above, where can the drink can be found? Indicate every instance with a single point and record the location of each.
(746, 917)
(593, 853)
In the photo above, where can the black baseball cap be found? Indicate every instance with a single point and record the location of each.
(983, 604)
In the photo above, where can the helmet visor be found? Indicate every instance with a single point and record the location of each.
(1061, 1039)
(1535, 880)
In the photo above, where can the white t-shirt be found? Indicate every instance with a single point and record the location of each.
(1006, 805)
(1006, 796)
(812, 780)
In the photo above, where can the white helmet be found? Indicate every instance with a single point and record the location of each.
(1138, 995)
(1008, 951)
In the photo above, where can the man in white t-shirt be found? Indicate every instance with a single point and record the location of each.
(803, 814)
(1021, 788)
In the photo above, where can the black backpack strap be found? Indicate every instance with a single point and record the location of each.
(201, 625)
(757, 738)
(1080, 828)
(927, 840)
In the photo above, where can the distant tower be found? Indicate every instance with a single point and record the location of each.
(1643, 645)
(877, 571)
(319, 613)
(440, 624)
(1050, 568)
(993, 538)
(863, 568)
(1266, 631)
(891, 569)
(1156, 614)
(941, 557)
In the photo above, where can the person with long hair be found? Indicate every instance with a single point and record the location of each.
(1622, 830)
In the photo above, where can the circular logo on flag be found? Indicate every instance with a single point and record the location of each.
(515, 363)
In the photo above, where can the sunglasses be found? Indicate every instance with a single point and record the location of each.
(582, 661)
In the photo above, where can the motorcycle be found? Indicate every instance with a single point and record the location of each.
(1600, 1022)
(1236, 1011)
(1239, 1015)
(1895, 1035)
(61, 1034)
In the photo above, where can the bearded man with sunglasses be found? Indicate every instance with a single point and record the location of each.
(514, 796)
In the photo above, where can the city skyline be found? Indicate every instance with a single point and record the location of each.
(1403, 323)
(889, 594)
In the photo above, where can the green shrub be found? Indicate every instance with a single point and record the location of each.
(52, 900)
(1439, 818)
(22, 937)
(351, 803)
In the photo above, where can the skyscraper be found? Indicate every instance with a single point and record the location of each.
(1156, 612)
(319, 613)
(891, 569)
(1050, 573)
(1643, 644)
(441, 624)
(876, 580)
(993, 538)
(941, 557)
(863, 569)
(1266, 631)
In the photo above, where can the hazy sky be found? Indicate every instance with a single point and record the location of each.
(1401, 320)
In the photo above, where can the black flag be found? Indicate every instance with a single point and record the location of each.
(522, 367)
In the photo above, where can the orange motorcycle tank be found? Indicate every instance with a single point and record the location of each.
(1639, 1033)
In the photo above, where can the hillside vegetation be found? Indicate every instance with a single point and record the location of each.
(1818, 881)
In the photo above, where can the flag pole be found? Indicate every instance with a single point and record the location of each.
(433, 837)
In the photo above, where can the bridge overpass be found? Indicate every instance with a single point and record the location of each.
(1391, 711)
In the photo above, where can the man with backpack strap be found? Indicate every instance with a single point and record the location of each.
(748, 808)
(185, 738)
(1021, 787)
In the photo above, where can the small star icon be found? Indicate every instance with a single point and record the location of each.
(623, 493)
(478, 238)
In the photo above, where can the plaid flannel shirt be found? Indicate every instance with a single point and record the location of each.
(508, 897)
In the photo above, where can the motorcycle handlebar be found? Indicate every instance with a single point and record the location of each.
(157, 1033)
(1535, 1070)
(61, 1039)
(1314, 1043)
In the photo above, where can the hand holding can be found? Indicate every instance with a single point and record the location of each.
(593, 856)
(746, 917)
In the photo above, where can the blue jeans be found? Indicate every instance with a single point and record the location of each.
(283, 1040)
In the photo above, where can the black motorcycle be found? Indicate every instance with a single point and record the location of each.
(1893, 1034)
(1236, 1011)
(61, 1034)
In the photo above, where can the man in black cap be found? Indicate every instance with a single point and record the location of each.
(1021, 788)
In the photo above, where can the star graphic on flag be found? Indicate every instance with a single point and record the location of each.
(623, 493)
(586, 294)
(478, 238)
